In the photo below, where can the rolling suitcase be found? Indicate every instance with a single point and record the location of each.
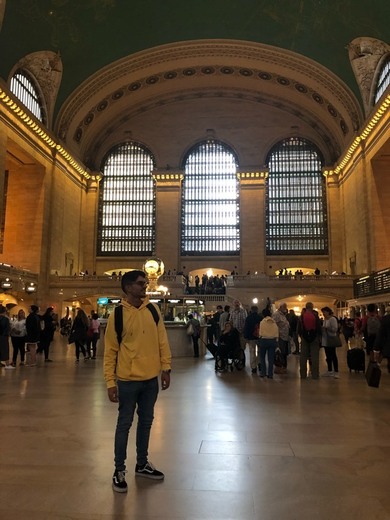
(373, 375)
(356, 360)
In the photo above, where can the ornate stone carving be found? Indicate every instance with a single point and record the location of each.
(365, 54)
(46, 68)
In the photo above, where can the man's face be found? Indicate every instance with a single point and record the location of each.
(236, 304)
(137, 289)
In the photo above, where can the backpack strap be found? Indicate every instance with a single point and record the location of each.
(119, 322)
(154, 312)
(119, 319)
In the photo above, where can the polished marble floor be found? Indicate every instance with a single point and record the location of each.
(232, 446)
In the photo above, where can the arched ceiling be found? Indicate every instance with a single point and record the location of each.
(90, 34)
(203, 84)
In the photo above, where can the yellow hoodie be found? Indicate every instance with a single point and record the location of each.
(144, 350)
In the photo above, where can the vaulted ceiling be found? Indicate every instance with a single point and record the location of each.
(90, 34)
(252, 71)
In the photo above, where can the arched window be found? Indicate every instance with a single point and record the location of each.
(210, 221)
(127, 202)
(383, 79)
(24, 88)
(296, 216)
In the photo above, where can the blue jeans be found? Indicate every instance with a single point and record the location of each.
(141, 395)
(267, 346)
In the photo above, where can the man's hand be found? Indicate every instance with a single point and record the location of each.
(165, 380)
(113, 394)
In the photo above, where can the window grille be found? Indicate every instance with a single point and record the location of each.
(296, 215)
(24, 89)
(127, 202)
(210, 201)
(384, 80)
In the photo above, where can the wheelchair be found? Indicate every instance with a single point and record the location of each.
(233, 360)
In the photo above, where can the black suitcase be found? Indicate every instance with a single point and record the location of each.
(356, 360)
(373, 375)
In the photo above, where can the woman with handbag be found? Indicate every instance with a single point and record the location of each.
(330, 341)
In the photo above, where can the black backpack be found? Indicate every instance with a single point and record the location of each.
(119, 319)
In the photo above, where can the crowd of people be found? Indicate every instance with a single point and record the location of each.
(32, 336)
(137, 351)
(272, 335)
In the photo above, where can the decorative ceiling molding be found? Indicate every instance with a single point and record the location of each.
(255, 76)
(95, 143)
(254, 58)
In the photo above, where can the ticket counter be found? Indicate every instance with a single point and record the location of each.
(181, 343)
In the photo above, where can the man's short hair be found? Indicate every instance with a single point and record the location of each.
(371, 307)
(131, 276)
(254, 308)
(309, 306)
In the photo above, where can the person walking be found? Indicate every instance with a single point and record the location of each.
(33, 328)
(93, 335)
(79, 330)
(133, 359)
(330, 328)
(225, 316)
(18, 337)
(193, 330)
(237, 317)
(251, 334)
(293, 321)
(382, 340)
(370, 327)
(47, 333)
(5, 328)
(309, 329)
(280, 318)
(269, 334)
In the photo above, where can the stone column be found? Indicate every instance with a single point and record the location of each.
(90, 222)
(168, 206)
(252, 221)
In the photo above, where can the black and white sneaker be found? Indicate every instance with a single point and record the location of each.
(148, 471)
(119, 483)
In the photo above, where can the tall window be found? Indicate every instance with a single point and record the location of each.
(383, 80)
(127, 202)
(210, 221)
(296, 216)
(22, 85)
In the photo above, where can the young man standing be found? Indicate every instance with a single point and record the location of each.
(131, 369)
